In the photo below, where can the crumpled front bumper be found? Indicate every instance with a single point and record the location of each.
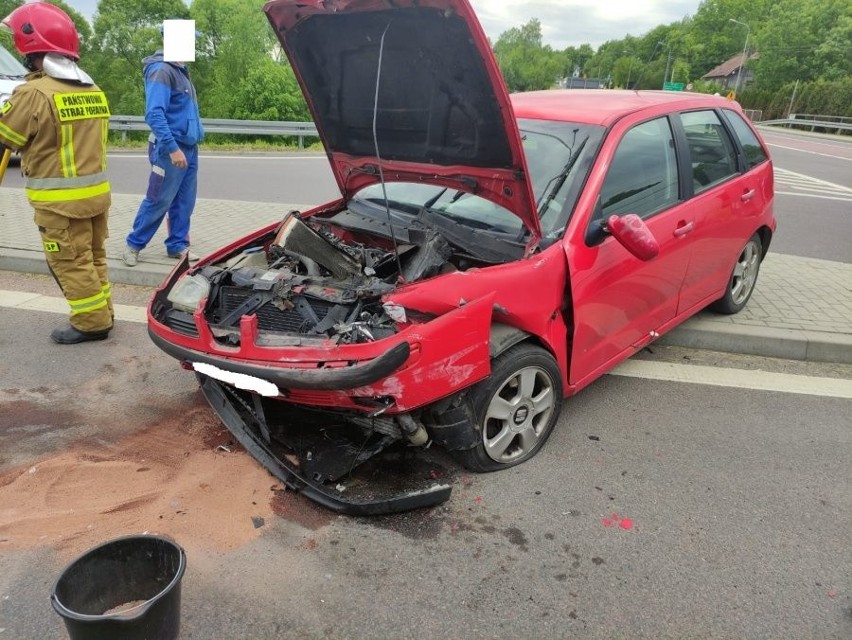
(327, 379)
(291, 477)
(416, 367)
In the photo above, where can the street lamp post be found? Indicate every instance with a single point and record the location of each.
(745, 52)
(629, 67)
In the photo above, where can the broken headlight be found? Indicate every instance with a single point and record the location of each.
(395, 312)
(188, 292)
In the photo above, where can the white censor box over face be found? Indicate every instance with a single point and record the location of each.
(179, 40)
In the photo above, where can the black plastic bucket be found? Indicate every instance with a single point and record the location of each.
(125, 589)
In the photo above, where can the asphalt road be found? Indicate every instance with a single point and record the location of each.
(738, 500)
(814, 218)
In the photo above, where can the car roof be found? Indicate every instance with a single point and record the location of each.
(604, 106)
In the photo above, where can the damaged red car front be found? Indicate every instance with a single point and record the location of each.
(377, 312)
(486, 259)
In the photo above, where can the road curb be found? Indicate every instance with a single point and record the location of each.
(151, 274)
(771, 342)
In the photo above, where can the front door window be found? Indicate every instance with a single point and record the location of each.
(643, 175)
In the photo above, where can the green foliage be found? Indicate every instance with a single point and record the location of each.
(270, 92)
(825, 97)
(712, 37)
(526, 64)
(805, 41)
(125, 33)
(8, 6)
(239, 40)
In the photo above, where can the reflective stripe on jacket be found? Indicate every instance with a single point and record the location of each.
(61, 128)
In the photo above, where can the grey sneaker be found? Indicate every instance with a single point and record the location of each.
(130, 256)
(189, 255)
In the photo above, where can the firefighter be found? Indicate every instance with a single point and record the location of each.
(59, 120)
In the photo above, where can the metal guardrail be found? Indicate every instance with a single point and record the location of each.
(301, 130)
(812, 122)
(811, 116)
(244, 127)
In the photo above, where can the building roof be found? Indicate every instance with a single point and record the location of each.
(728, 67)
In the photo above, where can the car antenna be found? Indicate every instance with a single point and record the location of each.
(379, 157)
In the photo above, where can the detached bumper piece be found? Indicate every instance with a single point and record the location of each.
(252, 432)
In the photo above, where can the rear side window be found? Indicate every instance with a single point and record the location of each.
(754, 152)
(712, 152)
(642, 178)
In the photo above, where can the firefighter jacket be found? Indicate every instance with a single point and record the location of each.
(61, 127)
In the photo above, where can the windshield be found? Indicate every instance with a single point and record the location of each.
(559, 155)
(9, 65)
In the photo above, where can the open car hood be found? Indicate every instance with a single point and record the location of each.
(441, 113)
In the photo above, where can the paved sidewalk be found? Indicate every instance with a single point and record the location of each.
(801, 309)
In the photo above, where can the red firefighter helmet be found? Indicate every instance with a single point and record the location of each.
(40, 27)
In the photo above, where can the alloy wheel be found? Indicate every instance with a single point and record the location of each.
(745, 273)
(518, 414)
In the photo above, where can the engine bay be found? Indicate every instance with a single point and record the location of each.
(318, 279)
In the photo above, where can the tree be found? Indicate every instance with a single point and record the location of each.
(240, 40)
(834, 54)
(805, 41)
(525, 63)
(713, 38)
(270, 91)
(125, 33)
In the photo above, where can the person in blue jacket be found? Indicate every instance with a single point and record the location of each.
(171, 110)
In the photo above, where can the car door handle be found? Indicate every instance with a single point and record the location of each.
(683, 229)
(748, 195)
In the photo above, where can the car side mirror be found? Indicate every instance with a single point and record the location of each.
(633, 234)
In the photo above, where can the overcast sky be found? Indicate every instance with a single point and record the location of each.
(563, 22)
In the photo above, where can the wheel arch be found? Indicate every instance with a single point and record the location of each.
(765, 235)
(503, 337)
(450, 421)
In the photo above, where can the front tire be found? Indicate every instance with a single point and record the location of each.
(743, 278)
(515, 409)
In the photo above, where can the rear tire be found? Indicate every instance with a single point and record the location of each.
(515, 409)
(743, 278)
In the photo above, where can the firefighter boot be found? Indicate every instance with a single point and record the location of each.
(70, 335)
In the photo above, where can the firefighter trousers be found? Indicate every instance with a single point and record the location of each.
(75, 249)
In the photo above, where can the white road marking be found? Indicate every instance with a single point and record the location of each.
(803, 185)
(666, 371)
(50, 304)
(772, 135)
(737, 378)
(814, 153)
(813, 195)
(801, 178)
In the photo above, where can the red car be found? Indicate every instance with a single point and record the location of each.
(489, 256)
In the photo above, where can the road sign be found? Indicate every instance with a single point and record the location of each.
(672, 86)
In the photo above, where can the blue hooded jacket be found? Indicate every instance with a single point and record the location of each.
(171, 104)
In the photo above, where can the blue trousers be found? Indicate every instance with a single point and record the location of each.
(170, 190)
